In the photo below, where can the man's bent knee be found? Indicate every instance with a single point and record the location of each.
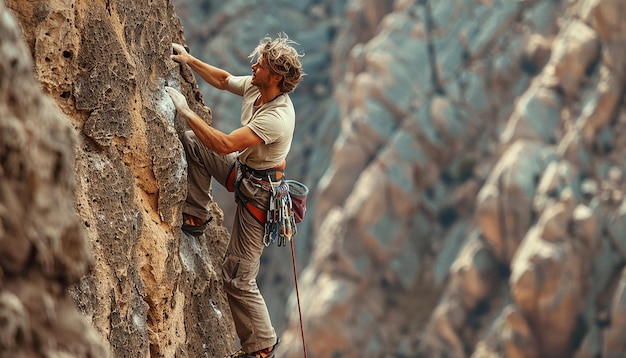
(239, 274)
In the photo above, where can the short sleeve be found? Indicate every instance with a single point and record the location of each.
(238, 84)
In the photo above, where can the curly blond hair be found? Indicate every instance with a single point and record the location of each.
(282, 59)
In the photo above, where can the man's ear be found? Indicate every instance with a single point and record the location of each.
(276, 78)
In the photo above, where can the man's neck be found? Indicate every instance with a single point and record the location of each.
(267, 94)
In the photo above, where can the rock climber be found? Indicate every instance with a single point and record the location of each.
(248, 161)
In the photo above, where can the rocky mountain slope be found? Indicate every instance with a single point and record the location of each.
(466, 160)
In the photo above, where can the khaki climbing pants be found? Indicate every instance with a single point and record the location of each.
(243, 255)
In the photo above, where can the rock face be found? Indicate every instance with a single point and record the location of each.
(466, 161)
(151, 291)
(42, 246)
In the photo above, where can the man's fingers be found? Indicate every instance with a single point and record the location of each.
(172, 90)
(178, 48)
(169, 90)
(180, 102)
(180, 53)
(174, 94)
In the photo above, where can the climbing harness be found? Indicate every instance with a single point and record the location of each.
(287, 204)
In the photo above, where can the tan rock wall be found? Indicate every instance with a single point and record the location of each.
(151, 291)
(42, 245)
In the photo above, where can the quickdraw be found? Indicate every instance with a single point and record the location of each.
(280, 224)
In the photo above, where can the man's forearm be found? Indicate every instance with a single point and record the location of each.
(209, 136)
(214, 76)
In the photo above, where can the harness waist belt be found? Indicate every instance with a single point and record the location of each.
(275, 173)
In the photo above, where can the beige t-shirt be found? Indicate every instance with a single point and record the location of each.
(274, 122)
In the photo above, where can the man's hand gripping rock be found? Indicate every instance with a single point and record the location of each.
(180, 102)
(180, 53)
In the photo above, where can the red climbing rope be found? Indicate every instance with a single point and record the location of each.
(295, 276)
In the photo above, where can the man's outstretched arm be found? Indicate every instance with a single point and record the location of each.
(219, 142)
(214, 76)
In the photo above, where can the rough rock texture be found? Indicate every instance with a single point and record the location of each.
(42, 246)
(151, 291)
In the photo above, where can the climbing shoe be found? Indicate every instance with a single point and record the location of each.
(194, 226)
(264, 353)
